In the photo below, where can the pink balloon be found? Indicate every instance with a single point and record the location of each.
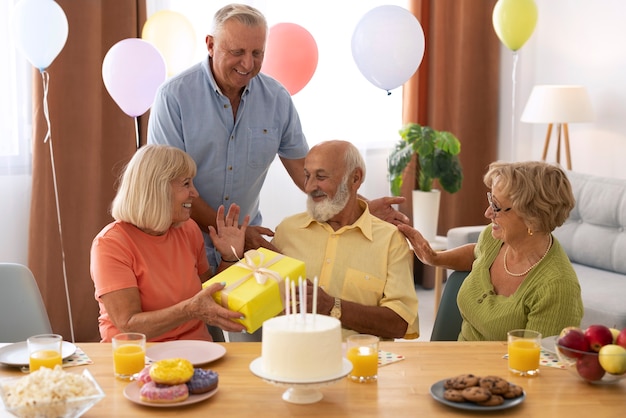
(290, 56)
(132, 71)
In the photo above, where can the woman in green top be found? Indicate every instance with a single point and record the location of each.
(520, 275)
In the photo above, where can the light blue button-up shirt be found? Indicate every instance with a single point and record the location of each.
(232, 155)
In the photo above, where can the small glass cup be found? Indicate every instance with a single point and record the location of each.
(44, 350)
(362, 351)
(524, 348)
(129, 354)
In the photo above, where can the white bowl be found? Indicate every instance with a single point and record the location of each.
(67, 408)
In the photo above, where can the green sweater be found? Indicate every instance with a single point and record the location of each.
(547, 301)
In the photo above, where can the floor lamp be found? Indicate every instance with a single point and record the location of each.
(558, 105)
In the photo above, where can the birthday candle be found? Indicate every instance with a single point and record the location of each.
(300, 292)
(314, 307)
(293, 297)
(287, 297)
(304, 304)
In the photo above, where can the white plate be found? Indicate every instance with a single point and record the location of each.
(131, 392)
(437, 390)
(549, 344)
(197, 352)
(17, 354)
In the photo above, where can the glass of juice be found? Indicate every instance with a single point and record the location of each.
(129, 354)
(362, 351)
(44, 350)
(524, 348)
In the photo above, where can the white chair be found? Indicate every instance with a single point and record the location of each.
(22, 311)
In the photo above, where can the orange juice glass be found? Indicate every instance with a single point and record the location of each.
(362, 352)
(44, 350)
(129, 354)
(524, 349)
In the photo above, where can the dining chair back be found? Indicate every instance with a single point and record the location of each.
(22, 311)
(448, 320)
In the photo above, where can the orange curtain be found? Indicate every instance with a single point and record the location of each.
(456, 90)
(92, 139)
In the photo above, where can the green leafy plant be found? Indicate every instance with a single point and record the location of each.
(438, 158)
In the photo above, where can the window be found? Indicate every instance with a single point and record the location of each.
(15, 100)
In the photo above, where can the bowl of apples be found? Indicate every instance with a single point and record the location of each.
(596, 354)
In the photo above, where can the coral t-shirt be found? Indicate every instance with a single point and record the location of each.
(164, 268)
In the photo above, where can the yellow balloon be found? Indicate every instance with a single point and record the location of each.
(514, 21)
(173, 35)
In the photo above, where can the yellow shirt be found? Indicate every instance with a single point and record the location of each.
(368, 262)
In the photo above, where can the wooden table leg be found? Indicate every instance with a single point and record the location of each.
(438, 286)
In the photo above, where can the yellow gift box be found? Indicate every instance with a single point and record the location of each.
(255, 285)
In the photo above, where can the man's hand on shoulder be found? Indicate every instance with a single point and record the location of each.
(381, 208)
(255, 238)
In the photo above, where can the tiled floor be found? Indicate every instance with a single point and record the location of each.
(426, 307)
(426, 311)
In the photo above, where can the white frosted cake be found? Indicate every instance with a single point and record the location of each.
(298, 348)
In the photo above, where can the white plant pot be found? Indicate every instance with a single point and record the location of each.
(426, 212)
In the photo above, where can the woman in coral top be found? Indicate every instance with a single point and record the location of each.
(148, 265)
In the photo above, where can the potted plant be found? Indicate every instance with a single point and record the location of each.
(437, 159)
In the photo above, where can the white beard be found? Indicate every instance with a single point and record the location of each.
(326, 209)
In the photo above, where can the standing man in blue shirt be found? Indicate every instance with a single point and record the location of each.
(233, 121)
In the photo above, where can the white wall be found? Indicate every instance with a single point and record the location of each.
(575, 42)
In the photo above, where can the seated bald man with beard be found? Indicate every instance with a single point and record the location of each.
(364, 265)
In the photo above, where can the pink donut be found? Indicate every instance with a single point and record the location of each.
(144, 376)
(157, 393)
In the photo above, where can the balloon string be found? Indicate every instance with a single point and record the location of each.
(137, 131)
(514, 77)
(46, 78)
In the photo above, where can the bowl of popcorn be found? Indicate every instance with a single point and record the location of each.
(50, 393)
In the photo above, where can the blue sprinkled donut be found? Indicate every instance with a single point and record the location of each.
(202, 381)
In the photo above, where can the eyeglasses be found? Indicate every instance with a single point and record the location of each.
(495, 208)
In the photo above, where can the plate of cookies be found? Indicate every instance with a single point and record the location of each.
(478, 393)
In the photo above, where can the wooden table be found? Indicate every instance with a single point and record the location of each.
(401, 391)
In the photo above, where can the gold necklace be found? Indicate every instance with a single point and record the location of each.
(529, 268)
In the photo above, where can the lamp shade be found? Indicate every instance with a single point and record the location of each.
(558, 104)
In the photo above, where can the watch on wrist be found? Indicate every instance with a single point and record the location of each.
(335, 312)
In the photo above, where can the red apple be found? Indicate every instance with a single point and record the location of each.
(589, 367)
(598, 336)
(574, 338)
(621, 338)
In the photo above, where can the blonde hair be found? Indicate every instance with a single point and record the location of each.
(539, 192)
(144, 196)
(243, 13)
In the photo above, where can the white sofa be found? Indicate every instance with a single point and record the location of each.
(594, 238)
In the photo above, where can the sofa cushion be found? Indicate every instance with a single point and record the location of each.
(594, 234)
(602, 306)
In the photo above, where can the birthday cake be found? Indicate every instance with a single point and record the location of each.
(302, 347)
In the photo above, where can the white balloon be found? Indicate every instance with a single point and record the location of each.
(388, 46)
(40, 30)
